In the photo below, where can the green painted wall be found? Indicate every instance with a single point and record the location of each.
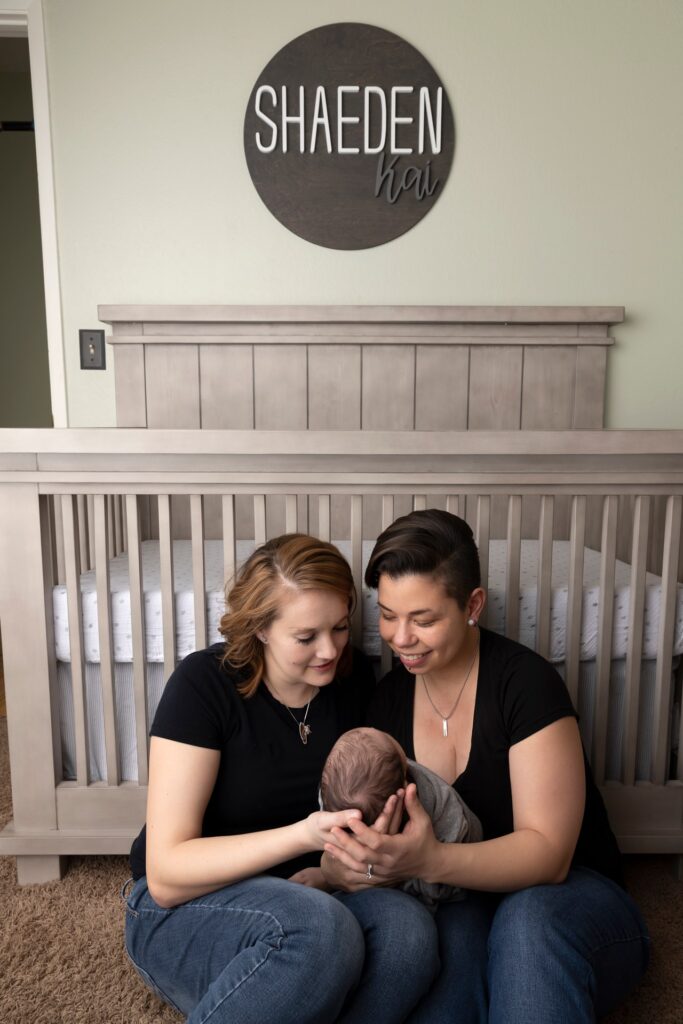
(565, 187)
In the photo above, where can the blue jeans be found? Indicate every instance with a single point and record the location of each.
(550, 954)
(268, 950)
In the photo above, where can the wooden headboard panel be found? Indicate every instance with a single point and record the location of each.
(361, 367)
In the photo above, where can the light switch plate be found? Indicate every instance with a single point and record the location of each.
(92, 350)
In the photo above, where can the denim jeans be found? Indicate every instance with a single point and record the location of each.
(549, 954)
(268, 950)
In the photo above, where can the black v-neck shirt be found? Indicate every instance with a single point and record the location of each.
(518, 693)
(267, 777)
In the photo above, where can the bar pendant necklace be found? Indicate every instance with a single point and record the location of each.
(445, 718)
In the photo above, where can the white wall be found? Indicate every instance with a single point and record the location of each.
(565, 188)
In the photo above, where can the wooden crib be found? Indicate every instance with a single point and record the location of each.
(240, 423)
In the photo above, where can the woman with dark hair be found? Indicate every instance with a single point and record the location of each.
(227, 919)
(547, 932)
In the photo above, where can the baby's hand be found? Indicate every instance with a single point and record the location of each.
(312, 877)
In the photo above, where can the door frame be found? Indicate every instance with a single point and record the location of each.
(25, 18)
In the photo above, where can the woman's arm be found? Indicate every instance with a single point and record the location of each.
(180, 863)
(548, 794)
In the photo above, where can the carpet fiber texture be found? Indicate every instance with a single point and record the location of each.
(62, 959)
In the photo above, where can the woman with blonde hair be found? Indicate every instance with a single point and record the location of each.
(227, 919)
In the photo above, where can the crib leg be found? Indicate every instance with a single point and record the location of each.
(33, 870)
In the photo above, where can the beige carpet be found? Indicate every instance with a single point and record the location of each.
(62, 959)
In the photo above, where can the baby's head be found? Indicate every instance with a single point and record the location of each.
(363, 769)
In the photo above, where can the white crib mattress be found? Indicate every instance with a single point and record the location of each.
(184, 602)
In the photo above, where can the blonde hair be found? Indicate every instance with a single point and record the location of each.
(293, 560)
(363, 769)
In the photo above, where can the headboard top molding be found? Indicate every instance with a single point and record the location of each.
(363, 314)
(361, 367)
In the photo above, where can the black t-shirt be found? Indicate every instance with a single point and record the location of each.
(518, 693)
(267, 777)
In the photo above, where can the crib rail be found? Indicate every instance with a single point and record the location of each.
(70, 501)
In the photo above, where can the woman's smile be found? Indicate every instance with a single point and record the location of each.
(325, 666)
(413, 660)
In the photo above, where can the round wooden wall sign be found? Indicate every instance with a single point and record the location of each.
(349, 136)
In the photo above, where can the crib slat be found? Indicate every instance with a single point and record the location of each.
(124, 526)
(118, 524)
(167, 586)
(608, 547)
(75, 610)
(111, 547)
(513, 557)
(577, 541)
(113, 550)
(104, 621)
(259, 519)
(387, 510)
(302, 501)
(290, 513)
(483, 532)
(641, 528)
(357, 565)
(58, 549)
(453, 505)
(199, 586)
(138, 636)
(419, 502)
(545, 569)
(49, 536)
(91, 530)
(324, 517)
(83, 553)
(665, 639)
(229, 548)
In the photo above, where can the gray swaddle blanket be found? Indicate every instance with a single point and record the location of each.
(453, 822)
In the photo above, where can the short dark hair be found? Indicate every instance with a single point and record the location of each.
(430, 542)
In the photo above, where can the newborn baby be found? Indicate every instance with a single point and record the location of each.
(363, 769)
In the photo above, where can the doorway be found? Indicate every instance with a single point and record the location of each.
(24, 367)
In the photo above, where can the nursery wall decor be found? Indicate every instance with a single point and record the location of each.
(349, 136)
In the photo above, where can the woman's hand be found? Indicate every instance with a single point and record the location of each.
(394, 856)
(336, 873)
(318, 825)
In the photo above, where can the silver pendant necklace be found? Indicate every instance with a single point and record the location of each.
(302, 726)
(304, 729)
(445, 718)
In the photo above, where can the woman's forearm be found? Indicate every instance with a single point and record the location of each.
(527, 856)
(505, 864)
(182, 871)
